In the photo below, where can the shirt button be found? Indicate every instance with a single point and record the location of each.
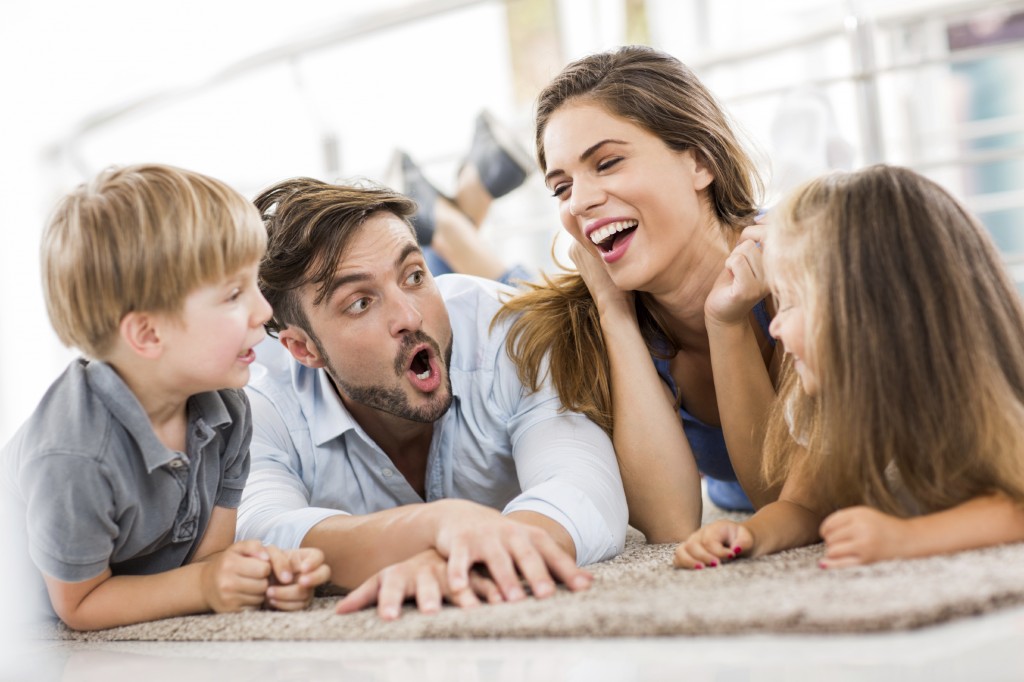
(176, 464)
(387, 473)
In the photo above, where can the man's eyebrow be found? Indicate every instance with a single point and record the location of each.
(587, 153)
(342, 280)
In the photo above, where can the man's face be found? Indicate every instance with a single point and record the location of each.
(382, 332)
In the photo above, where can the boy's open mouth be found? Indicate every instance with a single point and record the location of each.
(607, 236)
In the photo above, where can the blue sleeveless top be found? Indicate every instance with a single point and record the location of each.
(708, 442)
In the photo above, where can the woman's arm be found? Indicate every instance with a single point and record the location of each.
(862, 535)
(659, 472)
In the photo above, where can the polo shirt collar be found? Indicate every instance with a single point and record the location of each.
(126, 409)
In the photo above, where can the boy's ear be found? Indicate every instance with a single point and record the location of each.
(301, 346)
(140, 331)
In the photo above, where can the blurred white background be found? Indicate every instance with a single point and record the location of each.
(253, 92)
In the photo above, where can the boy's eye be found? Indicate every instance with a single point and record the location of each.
(235, 293)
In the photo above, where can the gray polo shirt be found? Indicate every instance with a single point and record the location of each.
(95, 487)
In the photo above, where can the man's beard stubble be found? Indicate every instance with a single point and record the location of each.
(392, 399)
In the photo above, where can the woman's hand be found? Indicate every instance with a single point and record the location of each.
(713, 544)
(742, 282)
(608, 297)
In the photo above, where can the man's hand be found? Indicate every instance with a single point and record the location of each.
(236, 579)
(742, 282)
(423, 577)
(295, 576)
(508, 549)
(713, 544)
(862, 535)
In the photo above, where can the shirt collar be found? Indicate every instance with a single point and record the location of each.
(328, 417)
(209, 411)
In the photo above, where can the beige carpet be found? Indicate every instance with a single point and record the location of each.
(640, 594)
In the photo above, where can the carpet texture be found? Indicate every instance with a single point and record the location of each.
(640, 594)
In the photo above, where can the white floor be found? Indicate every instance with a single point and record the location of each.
(990, 647)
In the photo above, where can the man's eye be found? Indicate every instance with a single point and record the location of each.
(415, 278)
(359, 305)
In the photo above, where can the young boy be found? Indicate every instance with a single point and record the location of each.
(128, 474)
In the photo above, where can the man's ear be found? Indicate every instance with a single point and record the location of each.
(301, 346)
(702, 175)
(141, 333)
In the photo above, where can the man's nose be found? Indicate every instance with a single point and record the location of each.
(405, 316)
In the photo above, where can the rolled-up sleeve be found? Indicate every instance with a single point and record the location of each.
(568, 472)
(276, 502)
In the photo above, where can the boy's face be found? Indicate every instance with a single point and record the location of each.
(211, 345)
(382, 332)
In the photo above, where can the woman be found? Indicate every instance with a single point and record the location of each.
(652, 183)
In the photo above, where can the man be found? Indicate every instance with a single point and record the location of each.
(396, 426)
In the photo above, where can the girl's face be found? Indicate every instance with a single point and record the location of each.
(791, 327)
(628, 198)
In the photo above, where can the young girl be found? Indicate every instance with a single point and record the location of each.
(899, 424)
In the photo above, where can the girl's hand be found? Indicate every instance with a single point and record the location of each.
(607, 296)
(862, 535)
(742, 282)
(713, 544)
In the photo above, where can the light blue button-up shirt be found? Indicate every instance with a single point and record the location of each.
(498, 445)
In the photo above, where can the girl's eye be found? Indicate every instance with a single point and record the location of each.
(359, 305)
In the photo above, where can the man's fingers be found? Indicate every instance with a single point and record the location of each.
(502, 570)
(428, 591)
(361, 597)
(394, 588)
(459, 563)
(485, 588)
(562, 566)
(532, 567)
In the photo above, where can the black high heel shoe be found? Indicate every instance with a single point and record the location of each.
(500, 161)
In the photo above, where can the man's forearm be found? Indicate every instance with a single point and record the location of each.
(553, 528)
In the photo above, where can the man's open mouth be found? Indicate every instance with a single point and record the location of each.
(420, 365)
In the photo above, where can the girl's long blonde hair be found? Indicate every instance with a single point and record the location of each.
(917, 339)
(558, 329)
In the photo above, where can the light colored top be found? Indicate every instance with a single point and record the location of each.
(498, 445)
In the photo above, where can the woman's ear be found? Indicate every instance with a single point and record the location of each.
(301, 346)
(702, 175)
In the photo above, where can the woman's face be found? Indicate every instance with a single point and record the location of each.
(626, 196)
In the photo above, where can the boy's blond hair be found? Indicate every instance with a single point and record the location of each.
(140, 238)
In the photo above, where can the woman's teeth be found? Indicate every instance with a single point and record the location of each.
(601, 234)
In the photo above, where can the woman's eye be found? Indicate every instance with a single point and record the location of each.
(608, 163)
(560, 189)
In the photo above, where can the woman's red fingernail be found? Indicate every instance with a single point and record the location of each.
(713, 564)
(697, 567)
(736, 551)
(822, 564)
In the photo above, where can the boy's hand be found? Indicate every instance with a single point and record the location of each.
(424, 577)
(295, 575)
(862, 535)
(237, 578)
(713, 544)
(742, 282)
